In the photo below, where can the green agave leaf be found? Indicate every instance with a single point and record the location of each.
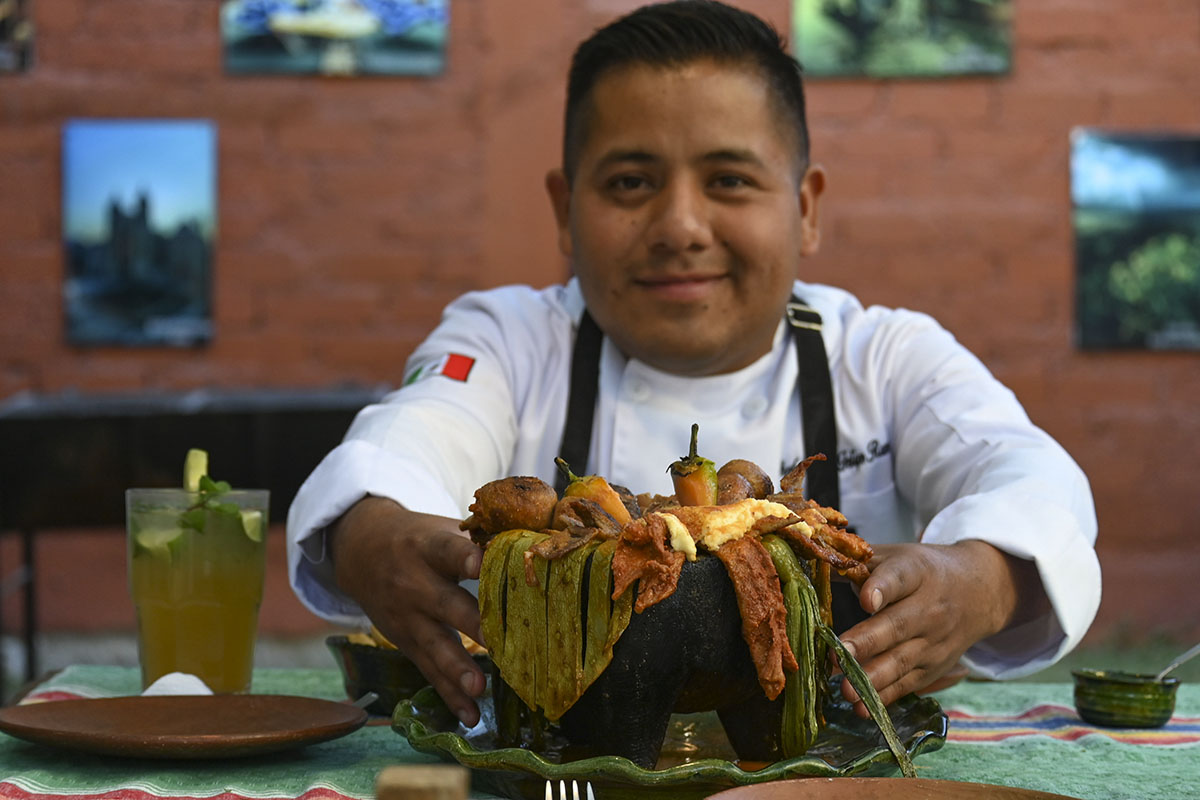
(862, 684)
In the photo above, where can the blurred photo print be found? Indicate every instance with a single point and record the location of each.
(16, 36)
(902, 38)
(1136, 211)
(335, 37)
(139, 217)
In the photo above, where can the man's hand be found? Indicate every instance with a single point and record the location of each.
(403, 569)
(930, 603)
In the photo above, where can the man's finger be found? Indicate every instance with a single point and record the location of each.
(455, 676)
(454, 557)
(459, 609)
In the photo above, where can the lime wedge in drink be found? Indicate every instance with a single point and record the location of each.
(158, 542)
(195, 466)
(252, 524)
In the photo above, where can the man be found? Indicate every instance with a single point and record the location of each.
(685, 203)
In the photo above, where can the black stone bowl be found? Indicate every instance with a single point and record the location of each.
(382, 670)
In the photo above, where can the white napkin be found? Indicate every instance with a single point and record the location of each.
(178, 683)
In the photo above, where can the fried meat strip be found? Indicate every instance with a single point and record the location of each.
(628, 499)
(649, 503)
(841, 540)
(794, 480)
(580, 512)
(830, 541)
(764, 615)
(558, 545)
(811, 547)
(644, 554)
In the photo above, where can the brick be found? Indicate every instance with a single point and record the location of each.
(995, 149)
(243, 141)
(52, 20)
(848, 180)
(1051, 107)
(326, 139)
(1066, 25)
(139, 18)
(1156, 581)
(844, 100)
(1160, 108)
(941, 102)
(335, 308)
(891, 143)
(27, 141)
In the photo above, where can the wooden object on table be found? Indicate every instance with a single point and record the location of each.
(423, 782)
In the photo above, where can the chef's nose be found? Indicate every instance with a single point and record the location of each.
(681, 219)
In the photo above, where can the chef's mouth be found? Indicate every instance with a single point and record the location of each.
(680, 287)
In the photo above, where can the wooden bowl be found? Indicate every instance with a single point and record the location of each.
(1115, 699)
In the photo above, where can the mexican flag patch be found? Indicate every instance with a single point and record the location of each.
(454, 366)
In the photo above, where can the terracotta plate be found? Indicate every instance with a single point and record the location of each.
(183, 726)
(880, 789)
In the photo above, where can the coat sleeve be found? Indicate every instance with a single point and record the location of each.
(449, 429)
(974, 466)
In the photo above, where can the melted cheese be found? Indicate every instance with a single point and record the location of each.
(723, 523)
(681, 540)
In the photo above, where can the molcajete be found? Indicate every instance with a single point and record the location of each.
(686, 653)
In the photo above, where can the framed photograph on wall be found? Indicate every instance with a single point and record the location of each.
(902, 38)
(335, 37)
(139, 220)
(16, 36)
(1136, 210)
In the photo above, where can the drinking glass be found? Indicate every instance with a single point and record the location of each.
(196, 577)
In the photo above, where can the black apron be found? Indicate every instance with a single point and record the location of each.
(816, 409)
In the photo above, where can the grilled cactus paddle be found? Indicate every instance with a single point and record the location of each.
(695, 478)
(596, 489)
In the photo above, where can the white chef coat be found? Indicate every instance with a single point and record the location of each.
(930, 446)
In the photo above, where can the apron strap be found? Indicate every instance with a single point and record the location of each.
(816, 408)
(820, 436)
(581, 402)
(816, 402)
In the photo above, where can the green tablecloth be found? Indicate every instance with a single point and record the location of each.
(1016, 734)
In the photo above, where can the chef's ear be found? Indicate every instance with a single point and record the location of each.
(559, 190)
(811, 188)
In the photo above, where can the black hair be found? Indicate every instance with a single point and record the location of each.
(675, 33)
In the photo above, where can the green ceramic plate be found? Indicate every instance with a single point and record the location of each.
(696, 759)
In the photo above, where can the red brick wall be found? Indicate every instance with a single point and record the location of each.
(351, 211)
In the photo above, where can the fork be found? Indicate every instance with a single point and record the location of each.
(574, 795)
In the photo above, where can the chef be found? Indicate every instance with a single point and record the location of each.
(685, 204)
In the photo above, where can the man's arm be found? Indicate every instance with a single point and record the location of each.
(403, 569)
(1005, 577)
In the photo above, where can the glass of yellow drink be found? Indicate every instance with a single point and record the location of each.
(196, 566)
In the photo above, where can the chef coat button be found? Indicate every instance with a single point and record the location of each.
(754, 407)
(639, 392)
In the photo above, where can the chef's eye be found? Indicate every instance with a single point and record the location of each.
(627, 183)
(729, 182)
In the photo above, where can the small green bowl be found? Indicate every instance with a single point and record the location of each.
(1116, 699)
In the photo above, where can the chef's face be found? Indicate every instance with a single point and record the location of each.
(688, 213)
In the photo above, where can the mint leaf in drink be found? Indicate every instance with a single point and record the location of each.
(213, 488)
(209, 502)
(193, 519)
